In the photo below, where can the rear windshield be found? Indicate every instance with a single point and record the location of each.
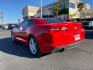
(76, 20)
(53, 20)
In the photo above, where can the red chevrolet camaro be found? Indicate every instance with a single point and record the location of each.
(48, 34)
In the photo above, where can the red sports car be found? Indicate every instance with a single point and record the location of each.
(48, 34)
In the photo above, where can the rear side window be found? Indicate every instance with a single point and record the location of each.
(26, 23)
(52, 20)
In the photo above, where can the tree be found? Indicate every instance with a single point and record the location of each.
(57, 9)
(81, 7)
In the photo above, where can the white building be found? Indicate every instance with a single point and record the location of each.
(69, 5)
(29, 11)
(69, 8)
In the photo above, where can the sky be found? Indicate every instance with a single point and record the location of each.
(12, 9)
(88, 2)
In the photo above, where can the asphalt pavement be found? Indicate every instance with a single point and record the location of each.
(15, 56)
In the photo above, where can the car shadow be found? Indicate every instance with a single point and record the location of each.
(89, 34)
(7, 46)
(17, 49)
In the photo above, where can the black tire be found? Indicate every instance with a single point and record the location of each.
(33, 46)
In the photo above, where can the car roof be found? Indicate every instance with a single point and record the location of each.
(39, 20)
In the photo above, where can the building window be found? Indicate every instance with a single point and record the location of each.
(63, 6)
(51, 10)
(48, 9)
(68, 5)
(71, 5)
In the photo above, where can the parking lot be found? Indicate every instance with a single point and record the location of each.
(14, 56)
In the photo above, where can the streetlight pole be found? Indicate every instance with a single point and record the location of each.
(19, 20)
(1, 17)
(41, 8)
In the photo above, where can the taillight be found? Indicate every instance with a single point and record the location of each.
(59, 29)
(64, 28)
(54, 29)
(78, 25)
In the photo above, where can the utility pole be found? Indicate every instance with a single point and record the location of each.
(41, 9)
(19, 20)
(1, 16)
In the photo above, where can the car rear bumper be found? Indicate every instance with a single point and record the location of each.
(58, 41)
(66, 47)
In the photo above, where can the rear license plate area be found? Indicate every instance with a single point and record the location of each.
(77, 37)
